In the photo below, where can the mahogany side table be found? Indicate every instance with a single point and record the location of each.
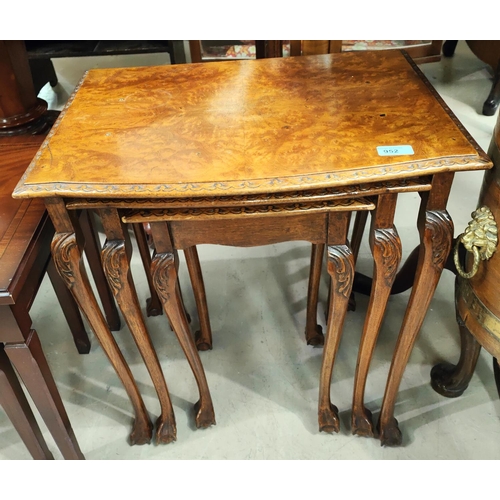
(246, 153)
(25, 234)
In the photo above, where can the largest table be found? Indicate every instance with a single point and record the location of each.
(249, 153)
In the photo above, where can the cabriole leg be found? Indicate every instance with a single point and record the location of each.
(386, 249)
(436, 233)
(67, 257)
(164, 272)
(340, 261)
(116, 261)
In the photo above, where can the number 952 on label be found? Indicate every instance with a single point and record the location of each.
(395, 150)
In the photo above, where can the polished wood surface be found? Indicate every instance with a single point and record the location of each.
(249, 153)
(25, 233)
(243, 127)
(19, 219)
(25, 229)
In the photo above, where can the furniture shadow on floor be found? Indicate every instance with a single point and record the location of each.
(430, 407)
(109, 400)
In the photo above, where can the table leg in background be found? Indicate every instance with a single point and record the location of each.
(164, 272)
(16, 406)
(28, 359)
(153, 304)
(203, 337)
(314, 333)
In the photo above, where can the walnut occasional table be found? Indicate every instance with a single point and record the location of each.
(249, 153)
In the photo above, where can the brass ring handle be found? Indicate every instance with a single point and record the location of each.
(480, 238)
(475, 265)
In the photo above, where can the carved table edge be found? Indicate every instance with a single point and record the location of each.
(211, 213)
(384, 173)
(353, 191)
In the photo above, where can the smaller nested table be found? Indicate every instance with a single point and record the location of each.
(250, 153)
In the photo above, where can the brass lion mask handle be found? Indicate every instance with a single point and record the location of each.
(480, 238)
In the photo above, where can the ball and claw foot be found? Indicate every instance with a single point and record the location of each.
(142, 432)
(316, 337)
(390, 435)
(442, 381)
(204, 416)
(328, 419)
(153, 308)
(362, 423)
(201, 345)
(166, 431)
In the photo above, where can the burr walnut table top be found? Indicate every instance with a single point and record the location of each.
(248, 127)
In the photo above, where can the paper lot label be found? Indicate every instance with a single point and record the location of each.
(395, 150)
